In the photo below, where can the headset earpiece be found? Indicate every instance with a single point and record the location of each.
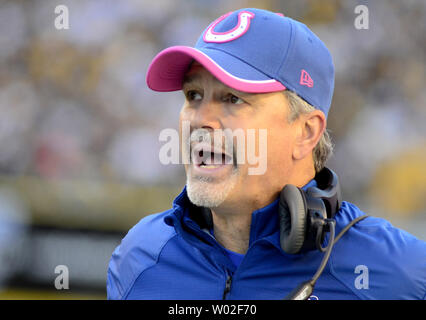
(303, 214)
(292, 210)
(305, 218)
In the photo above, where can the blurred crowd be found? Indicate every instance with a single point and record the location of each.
(75, 106)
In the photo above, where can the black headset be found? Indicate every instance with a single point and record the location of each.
(305, 218)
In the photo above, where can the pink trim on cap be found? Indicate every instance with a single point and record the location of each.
(168, 68)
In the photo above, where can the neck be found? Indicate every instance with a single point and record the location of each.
(232, 220)
(232, 230)
(232, 223)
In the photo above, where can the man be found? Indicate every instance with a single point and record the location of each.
(254, 70)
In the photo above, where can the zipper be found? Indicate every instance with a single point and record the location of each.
(227, 286)
(207, 236)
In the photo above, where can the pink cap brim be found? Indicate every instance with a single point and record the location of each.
(168, 68)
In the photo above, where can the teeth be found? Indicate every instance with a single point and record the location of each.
(210, 166)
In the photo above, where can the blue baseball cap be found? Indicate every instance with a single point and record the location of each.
(256, 51)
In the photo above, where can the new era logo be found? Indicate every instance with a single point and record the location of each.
(305, 79)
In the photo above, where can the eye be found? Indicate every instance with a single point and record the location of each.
(233, 99)
(192, 95)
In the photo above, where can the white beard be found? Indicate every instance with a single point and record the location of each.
(204, 192)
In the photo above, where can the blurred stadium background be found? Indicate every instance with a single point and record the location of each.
(79, 128)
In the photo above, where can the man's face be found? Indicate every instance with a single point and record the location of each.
(210, 105)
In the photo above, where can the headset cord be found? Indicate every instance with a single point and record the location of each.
(305, 289)
(332, 242)
(348, 226)
(331, 224)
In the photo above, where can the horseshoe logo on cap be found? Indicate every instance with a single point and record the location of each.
(241, 28)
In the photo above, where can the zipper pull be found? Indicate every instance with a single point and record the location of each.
(227, 287)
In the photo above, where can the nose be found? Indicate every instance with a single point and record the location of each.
(207, 116)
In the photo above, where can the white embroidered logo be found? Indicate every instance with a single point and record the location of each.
(242, 26)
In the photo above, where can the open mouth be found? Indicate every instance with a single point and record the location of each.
(208, 158)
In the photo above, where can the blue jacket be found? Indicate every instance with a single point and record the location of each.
(168, 255)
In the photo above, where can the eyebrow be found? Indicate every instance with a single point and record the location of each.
(188, 79)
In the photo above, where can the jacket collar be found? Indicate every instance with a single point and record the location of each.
(264, 223)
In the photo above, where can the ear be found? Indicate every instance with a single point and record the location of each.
(311, 127)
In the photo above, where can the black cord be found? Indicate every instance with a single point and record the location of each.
(331, 243)
(348, 226)
(331, 224)
(305, 289)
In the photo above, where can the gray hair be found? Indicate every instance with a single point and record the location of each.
(324, 149)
